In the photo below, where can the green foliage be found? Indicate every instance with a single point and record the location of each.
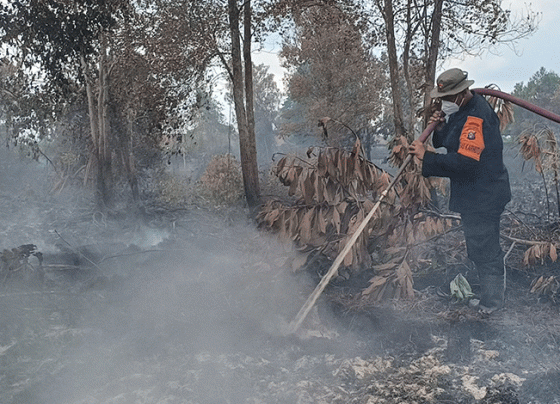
(460, 288)
(56, 34)
(543, 90)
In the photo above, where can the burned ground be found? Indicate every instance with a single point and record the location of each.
(192, 307)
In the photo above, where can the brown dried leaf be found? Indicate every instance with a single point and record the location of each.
(537, 284)
(375, 283)
(341, 167)
(306, 226)
(322, 163)
(404, 280)
(336, 219)
(280, 167)
(527, 258)
(439, 226)
(294, 218)
(384, 181)
(283, 225)
(553, 254)
(537, 251)
(349, 258)
(321, 220)
(307, 188)
(357, 148)
(272, 216)
(545, 286)
(505, 114)
(331, 167)
(319, 189)
(384, 267)
(297, 262)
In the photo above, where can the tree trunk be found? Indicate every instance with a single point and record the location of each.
(128, 160)
(92, 118)
(245, 119)
(388, 16)
(432, 55)
(410, 30)
(250, 107)
(104, 180)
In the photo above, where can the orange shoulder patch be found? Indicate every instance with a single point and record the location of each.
(471, 143)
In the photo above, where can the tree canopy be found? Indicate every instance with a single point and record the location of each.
(136, 72)
(543, 90)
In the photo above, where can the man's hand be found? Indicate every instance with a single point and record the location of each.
(437, 116)
(417, 148)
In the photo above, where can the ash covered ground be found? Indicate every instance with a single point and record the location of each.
(192, 307)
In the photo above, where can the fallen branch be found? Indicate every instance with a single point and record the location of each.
(524, 242)
(79, 253)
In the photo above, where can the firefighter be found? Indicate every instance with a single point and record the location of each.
(469, 130)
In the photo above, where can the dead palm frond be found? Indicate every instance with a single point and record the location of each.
(503, 108)
(541, 146)
(553, 158)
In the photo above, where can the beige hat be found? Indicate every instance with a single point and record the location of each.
(450, 82)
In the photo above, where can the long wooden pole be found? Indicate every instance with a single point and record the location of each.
(312, 299)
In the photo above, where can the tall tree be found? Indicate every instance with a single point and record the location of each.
(220, 34)
(125, 59)
(267, 103)
(241, 75)
(422, 31)
(330, 74)
(61, 39)
(542, 89)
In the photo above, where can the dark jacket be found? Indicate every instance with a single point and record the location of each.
(474, 162)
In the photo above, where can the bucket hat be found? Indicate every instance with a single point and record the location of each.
(451, 82)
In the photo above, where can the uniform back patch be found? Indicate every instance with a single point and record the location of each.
(471, 143)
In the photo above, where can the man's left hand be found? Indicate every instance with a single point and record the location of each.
(417, 148)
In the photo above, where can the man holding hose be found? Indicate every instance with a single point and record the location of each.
(469, 130)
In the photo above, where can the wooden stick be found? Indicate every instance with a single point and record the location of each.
(312, 299)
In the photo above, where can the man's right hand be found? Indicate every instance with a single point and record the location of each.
(437, 116)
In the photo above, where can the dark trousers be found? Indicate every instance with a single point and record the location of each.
(482, 235)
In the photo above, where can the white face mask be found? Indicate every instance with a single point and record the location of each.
(448, 108)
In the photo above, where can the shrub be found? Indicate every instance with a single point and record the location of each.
(222, 182)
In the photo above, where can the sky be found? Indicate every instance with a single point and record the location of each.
(542, 49)
(505, 69)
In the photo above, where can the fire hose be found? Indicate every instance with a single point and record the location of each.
(312, 299)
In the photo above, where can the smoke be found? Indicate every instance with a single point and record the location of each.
(137, 311)
(192, 308)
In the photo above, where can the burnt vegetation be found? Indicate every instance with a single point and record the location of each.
(147, 255)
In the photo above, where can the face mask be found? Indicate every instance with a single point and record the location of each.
(448, 108)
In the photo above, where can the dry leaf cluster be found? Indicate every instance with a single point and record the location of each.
(172, 191)
(17, 259)
(392, 280)
(541, 147)
(545, 286)
(504, 109)
(415, 189)
(333, 192)
(538, 253)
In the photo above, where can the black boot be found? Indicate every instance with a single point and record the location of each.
(492, 286)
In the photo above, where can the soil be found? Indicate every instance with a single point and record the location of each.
(192, 306)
